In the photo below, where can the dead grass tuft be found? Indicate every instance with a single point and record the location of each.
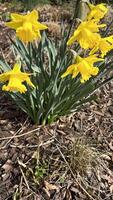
(83, 156)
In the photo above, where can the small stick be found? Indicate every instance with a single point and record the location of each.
(18, 131)
(24, 178)
(17, 136)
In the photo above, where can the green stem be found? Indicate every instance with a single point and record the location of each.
(74, 17)
(29, 4)
(43, 122)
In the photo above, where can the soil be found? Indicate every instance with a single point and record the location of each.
(71, 159)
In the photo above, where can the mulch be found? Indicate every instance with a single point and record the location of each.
(70, 159)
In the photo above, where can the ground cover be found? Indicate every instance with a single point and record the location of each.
(70, 159)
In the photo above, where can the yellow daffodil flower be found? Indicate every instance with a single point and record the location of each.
(97, 12)
(27, 27)
(15, 78)
(84, 66)
(104, 45)
(86, 34)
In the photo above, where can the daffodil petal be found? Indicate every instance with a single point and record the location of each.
(71, 40)
(14, 24)
(32, 16)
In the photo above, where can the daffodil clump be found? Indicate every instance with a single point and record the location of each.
(39, 81)
(88, 36)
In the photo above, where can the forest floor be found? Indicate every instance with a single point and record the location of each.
(71, 159)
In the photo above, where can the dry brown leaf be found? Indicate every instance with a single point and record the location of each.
(50, 186)
(111, 145)
(35, 155)
(111, 189)
(8, 166)
(110, 179)
(105, 156)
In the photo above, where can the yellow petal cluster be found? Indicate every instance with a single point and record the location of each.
(86, 34)
(104, 45)
(16, 79)
(27, 27)
(97, 12)
(84, 67)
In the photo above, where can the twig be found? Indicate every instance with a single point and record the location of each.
(34, 146)
(26, 197)
(17, 136)
(18, 131)
(26, 182)
(20, 186)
